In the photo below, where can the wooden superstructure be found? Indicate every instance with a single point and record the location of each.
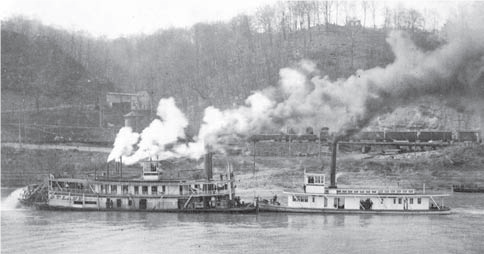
(318, 197)
(150, 192)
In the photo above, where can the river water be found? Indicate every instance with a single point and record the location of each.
(26, 230)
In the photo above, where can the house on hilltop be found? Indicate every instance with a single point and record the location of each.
(127, 102)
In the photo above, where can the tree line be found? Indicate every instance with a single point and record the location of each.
(221, 63)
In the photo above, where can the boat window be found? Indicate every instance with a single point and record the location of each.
(163, 188)
(310, 179)
(118, 202)
(325, 202)
(153, 168)
(144, 190)
(300, 198)
(394, 200)
(399, 200)
(77, 202)
(136, 189)
(154, 189)
(411, 200)
(419, 200)
(317, 179)
(90, 202)
(313, 199)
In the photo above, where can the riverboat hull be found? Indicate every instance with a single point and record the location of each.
(249, 209)
(287, 209)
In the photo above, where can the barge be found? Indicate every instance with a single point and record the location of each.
(149, 193)
(468, 188)
(317, 197)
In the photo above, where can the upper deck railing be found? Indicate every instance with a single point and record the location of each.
(375, 191)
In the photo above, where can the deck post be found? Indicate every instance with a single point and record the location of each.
(334, 147)
(230, 182)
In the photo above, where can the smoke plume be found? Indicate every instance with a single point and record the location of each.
(123, 144)
(153, 139)
(453, 73)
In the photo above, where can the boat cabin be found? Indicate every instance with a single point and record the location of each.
(151, 171)
(150, 192)
(314, 183)
(317, 196)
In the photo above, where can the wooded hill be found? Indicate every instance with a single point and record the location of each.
(216, 64)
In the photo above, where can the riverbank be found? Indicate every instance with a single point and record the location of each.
(437, 169)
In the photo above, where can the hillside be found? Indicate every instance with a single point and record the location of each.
(217, 64)
(38, 73)
(43, 86)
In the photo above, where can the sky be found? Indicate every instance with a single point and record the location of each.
(115, 18)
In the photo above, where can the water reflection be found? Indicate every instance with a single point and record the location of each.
(144, 232)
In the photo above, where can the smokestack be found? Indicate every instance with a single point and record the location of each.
(334, 147)
(208, 165)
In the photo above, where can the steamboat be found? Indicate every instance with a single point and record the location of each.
(317, 197)
(150, 192)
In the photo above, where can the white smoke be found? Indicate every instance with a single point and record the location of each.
(154, 138)
(305, 98)
(124, 143)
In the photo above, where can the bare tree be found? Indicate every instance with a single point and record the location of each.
(373, 7)
(337, 4)
(282, 18)
(327, 5)
(398, 16)
(387, 17)
(265, 17)
(364, 6)
(414, 20)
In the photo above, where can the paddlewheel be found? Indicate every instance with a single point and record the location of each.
(34, 194)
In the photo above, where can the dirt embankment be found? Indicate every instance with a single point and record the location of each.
(21, 166)
(437, 169)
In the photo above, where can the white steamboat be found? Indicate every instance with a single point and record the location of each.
(149, 193)
(318, 197)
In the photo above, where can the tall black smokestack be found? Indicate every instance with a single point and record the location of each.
(208, 165)
(334, 147)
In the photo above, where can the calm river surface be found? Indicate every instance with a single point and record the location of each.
(33, 231)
